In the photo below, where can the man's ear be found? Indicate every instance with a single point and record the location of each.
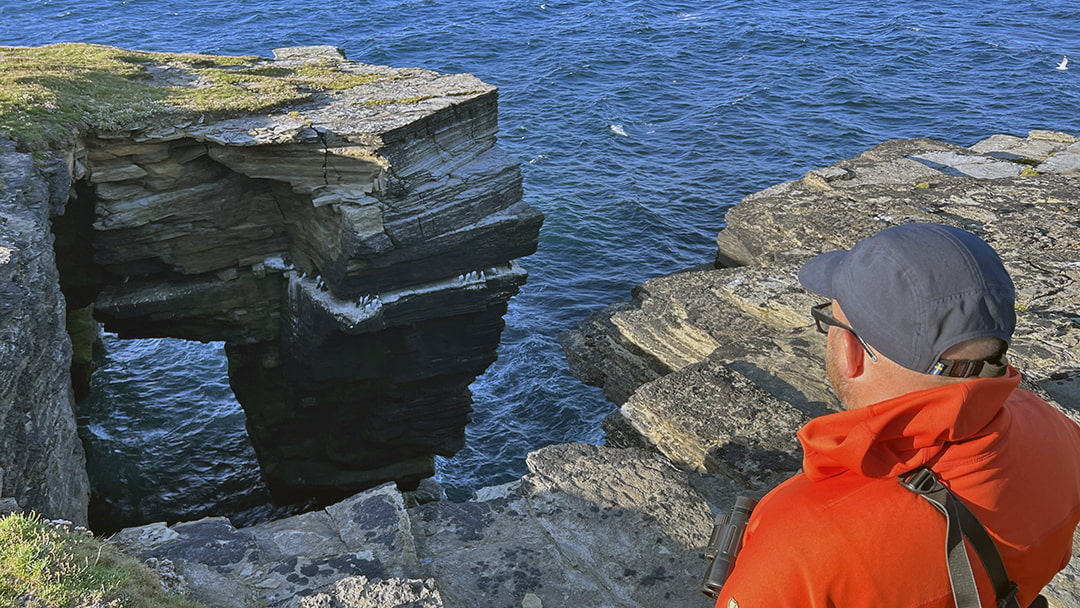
(852, 355)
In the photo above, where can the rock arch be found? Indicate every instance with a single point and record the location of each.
(356, 253)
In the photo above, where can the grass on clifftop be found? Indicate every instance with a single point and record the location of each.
(48, 93)
(45, 566)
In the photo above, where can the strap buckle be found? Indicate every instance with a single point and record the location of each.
(920, 481)
(1009, 599)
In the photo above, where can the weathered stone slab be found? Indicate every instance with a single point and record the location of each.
(376, 521)
(709, 417)
(1026, 148)
(362, 592)
(1065, 163)
(312, 534)
(324, 554)
(969, 165)
(588, 526)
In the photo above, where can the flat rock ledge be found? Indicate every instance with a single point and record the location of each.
(713, 370)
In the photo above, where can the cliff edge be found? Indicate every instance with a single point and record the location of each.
(349, 231)
(714, 369)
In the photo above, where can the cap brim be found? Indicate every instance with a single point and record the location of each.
(818, 272)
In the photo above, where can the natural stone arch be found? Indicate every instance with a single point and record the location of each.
(354, 250)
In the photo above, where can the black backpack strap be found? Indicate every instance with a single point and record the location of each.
(961, 523)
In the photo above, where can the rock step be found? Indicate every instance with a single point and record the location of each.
(620, 527)
(277, 563)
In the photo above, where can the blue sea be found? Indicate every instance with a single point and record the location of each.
(637, 125)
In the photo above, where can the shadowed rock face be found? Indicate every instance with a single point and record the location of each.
(42, 466)
(355, 253)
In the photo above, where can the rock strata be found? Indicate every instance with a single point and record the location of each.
(355, 253)
(688, 344)
(42, 466)
(355, 250)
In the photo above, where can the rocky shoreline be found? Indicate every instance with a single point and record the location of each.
(349, 231)
(368, 233)
(714, 369)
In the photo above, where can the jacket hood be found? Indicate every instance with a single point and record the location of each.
(895, 436)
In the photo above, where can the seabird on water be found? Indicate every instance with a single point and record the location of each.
(1064, 65)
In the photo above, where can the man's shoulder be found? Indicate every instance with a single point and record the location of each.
(1029, 402)
(840, 492)
(872, 526)
(1041, 428)
(831, 512)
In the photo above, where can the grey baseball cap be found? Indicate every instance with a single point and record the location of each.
(915, 290)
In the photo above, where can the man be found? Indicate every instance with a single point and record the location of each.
(918, 324)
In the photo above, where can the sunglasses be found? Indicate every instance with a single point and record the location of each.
(823, 319)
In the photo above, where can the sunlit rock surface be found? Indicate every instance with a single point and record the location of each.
(355, 252)
(715, 367)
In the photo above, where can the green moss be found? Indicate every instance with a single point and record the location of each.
(46, 566)
(49, 93)
(328, 78)
(398, 100)
(1028, 172)
(84, 333)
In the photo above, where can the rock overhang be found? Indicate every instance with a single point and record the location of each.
(349, 230)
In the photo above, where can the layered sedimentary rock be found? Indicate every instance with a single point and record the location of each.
(41, 459)
(355, 250)
(658, 355)
(356, 255)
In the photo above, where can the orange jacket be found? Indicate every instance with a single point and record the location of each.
(845, 533)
